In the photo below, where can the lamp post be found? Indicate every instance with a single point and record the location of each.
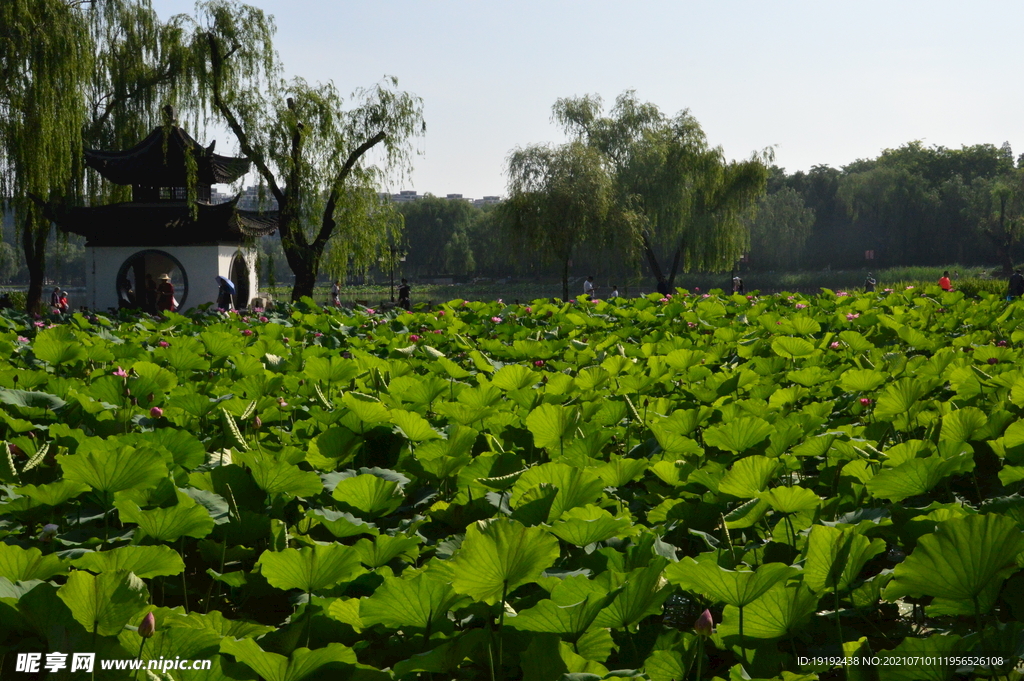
(394, 256)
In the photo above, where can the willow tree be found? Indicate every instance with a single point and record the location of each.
(559, 197)
(312, 154)
(679, 197)
(75, 74)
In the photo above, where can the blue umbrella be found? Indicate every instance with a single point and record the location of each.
(227, 283)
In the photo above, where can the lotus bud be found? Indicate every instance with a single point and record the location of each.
(127, 392)
(134, 401)
(149, 397)
(705, 624)
(48, 533)
(865, 401)
(156, 412)
(256, 423)
(147, 627)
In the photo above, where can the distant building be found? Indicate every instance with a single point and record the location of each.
(487, 201)
(407, 195)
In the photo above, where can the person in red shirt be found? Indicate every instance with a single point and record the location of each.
(165, 294)
(945, 283)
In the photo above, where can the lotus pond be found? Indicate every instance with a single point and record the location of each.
(540, 492)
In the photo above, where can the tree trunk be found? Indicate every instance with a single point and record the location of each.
(33, 241)
(304, 261)
(652, 261)
(565, 279)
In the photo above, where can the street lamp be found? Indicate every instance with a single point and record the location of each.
(394, 255)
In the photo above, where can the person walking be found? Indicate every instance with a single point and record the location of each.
(1016, 284)
(165, 294)
(588, 287)
(737, 285)
(869, 284)
(336, 293)
(55, 298)
(615, 292)
(944, 283)
(404, 295)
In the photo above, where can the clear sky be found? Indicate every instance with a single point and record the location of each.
(823, 82)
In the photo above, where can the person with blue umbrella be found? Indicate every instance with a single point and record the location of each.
(226, 290)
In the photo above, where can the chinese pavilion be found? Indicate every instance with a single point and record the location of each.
(131, 245)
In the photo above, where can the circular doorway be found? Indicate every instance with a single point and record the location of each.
(140, 278)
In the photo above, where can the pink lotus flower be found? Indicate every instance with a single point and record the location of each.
(528, 309)
(705, 624)
(164, 344)
(40, 325)
(281, 402)
(257, 310)
(692, 325)
(413, 337)
(663, 300)
(800, 306)
(850, 316)
(501, 301)
(120, 372)
(538, 363)
(436, 331)
(1001, 344)
(370, 310)
(496, 320)
(54, 311)
(317, 334)
(865, 401)
(156, 412)
(246, 332)
(147, 627)
(706, 295)
(909, 287)
(264, 320)
(834, 345)
(440, 313)
(697, 289)
(22, 339)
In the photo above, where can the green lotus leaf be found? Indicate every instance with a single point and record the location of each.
(115, 469)
(444, 458)
(23, 565)
(342, 524)
(58, 345)
(365, 408)
(900, 398)
(569, 621)
(368, 496)
(143, 561)
(184, 519)
(421, 601)
(835, 557)
(791, 347)
(575, 487)
(499, 555)
(30, 399)
(413, 426)
(738, 435)
(55, 493)
(738, 588)
(917, 476)
(666, 665)
(924, 659)
(552, 425)
(311, 568)
(962, 425)
(642, 594)
(280, 477)
(791, 499)
(588, 524)
(960, 559)
(384, 548)
(331, 370)
(514, 377)
(748, 477)
(780, 610)
(106, 602)
(861, 380)
(302, 664)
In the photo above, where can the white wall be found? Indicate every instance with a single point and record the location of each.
(201, 264)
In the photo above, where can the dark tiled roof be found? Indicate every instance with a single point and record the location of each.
(149, 164)
(166, 223)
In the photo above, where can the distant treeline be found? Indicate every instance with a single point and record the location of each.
(911, 206)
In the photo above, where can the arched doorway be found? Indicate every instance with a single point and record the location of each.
(240, 278)
(141, 273)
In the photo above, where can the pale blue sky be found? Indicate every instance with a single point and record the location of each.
(824, 82)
